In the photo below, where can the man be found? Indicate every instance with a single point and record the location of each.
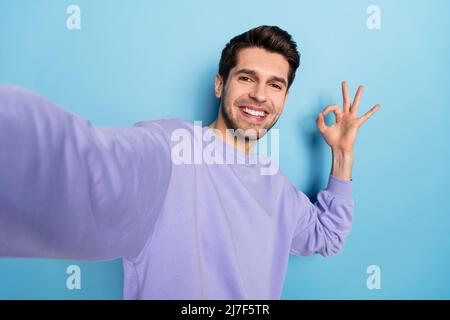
(70, 190)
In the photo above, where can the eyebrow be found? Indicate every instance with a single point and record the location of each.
(253, 73)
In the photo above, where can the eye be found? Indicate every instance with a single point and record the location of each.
(276, 86)
(244, 78)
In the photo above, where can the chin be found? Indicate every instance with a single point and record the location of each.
(252, 132)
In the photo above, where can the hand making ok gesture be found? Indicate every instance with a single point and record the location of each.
(341, 135)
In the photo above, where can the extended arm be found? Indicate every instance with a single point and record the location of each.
(69, 189)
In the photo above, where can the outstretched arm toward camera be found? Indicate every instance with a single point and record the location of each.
(70, 190)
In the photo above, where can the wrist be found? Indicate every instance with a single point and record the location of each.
(342, 164)
(344, 154)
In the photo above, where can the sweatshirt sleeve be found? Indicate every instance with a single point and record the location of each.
(70, 190)
(323, 226)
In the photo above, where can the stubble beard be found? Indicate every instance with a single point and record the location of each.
(232, 123)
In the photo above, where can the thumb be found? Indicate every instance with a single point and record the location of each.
(321, 122)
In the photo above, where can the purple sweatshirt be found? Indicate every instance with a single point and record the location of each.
(71, 190)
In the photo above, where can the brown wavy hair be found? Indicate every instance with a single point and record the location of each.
(270, 38)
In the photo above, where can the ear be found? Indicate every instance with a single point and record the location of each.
(218, 86)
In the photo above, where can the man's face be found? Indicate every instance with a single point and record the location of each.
(255, 92)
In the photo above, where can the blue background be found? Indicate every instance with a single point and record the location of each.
(141, 60)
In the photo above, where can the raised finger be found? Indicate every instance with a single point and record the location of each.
(355, 104)
(368, 114)
(345, 96)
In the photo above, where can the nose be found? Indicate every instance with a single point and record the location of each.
(258, 93)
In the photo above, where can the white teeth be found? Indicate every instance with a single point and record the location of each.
(254, 113)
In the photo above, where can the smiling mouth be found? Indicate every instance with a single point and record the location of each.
(251, 114)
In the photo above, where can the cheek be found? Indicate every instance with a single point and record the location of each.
(236, 91)
(278, 104)
(229, 102)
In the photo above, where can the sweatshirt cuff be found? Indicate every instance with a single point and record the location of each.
(339, 187)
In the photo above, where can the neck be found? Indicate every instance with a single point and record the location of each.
(238, 143)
